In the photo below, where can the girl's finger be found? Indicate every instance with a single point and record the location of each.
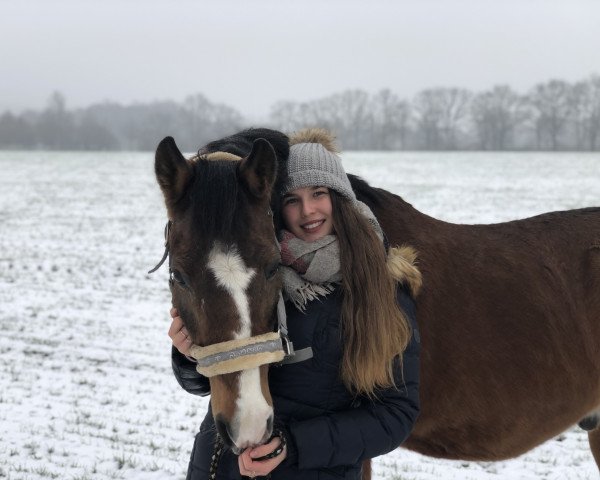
(250, 467)
(176, 326)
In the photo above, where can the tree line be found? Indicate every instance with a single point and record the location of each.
(554, 115)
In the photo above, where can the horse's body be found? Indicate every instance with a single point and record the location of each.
(509, 313)
(509, 316)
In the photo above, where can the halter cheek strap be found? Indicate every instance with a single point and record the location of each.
(292, 355)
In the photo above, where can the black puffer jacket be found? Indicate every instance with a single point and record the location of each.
(330, 431)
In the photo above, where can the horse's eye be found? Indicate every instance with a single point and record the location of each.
(271, 270)
(177, 277)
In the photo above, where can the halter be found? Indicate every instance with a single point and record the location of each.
(243, 354)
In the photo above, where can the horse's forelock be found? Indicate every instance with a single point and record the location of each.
(214, 198)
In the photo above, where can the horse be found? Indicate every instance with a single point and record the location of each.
(223, 269)
(509, 313)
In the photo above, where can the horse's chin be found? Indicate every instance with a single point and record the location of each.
(236, 450)
(239, 450)
(239, 445)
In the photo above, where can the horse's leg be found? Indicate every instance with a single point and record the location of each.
(366, 470)
(594, 439)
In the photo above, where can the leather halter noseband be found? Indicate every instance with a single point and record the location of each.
(243, 354)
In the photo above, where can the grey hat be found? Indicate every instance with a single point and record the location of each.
(311, 164)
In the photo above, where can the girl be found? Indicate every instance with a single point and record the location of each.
(357, 397)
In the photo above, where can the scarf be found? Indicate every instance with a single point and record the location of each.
(309, 269)
(312, 269)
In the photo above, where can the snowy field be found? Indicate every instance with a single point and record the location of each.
(86, 390)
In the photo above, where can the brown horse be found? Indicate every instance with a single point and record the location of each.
(223, 265)
(509, 313)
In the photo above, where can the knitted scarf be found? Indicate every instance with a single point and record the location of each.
(309, 269)
(312, 269)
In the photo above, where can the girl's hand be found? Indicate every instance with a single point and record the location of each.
(251, 468)
(179, 334)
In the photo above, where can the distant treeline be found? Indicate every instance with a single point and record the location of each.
(555, 115)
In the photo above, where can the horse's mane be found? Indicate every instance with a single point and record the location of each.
(240, 144)
(373, 197)
(216, 180)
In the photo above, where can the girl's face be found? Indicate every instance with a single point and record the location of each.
(307, 213)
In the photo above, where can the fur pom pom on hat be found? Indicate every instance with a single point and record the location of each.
(313, 161)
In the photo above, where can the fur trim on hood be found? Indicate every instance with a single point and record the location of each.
(315, 135)
(401, 265)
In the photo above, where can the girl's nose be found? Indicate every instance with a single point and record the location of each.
(308, 208)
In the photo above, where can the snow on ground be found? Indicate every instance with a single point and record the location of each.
(86, 390)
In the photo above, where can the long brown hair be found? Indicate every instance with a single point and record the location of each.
(374, 328)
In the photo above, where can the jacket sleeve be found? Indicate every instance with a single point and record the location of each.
(187, 376)
(375, 427)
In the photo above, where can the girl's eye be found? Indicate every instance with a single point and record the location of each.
(319, 193)
(289, 201)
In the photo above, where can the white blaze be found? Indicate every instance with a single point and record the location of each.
(252, 410)
(232, 274)
(248, 427)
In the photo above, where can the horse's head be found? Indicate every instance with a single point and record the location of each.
(224, 277)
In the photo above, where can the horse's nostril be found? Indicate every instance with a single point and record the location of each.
(269, 426)
(223, 431)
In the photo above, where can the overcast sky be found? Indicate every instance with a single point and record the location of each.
(251, 53)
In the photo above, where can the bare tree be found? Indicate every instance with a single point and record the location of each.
(16, 132)
(550, 112)
(584, 110)
(441, 114)
(55, 127)
(201, 121)
(290, 116)
(349, 115)
(495, 115)
(91, 135)
(391, 118)
(428, 114)
(283, 115)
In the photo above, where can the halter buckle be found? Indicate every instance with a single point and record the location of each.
(288, 346)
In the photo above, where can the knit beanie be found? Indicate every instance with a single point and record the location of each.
(313, 161)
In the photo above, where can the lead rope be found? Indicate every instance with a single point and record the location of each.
(212, 474)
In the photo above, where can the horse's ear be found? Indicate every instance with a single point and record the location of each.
(173, 172)
(259, 169)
